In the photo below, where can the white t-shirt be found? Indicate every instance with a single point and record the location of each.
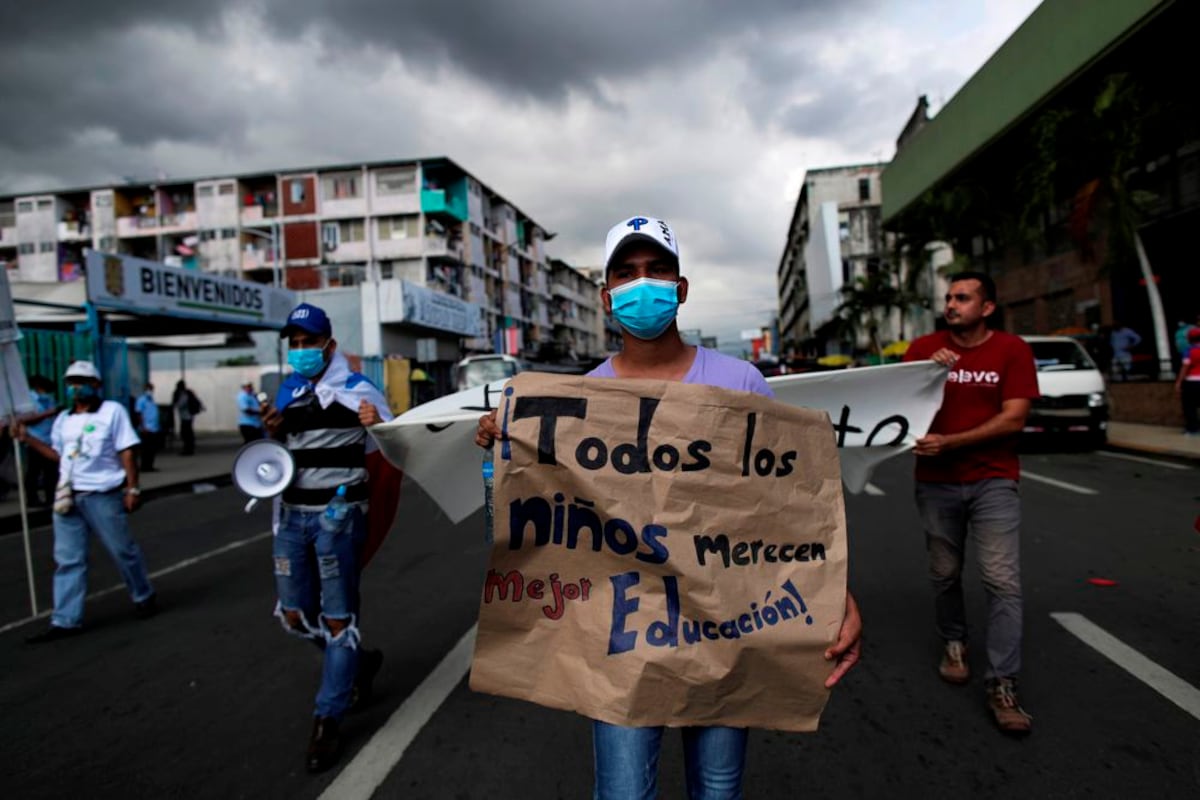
(88, 443)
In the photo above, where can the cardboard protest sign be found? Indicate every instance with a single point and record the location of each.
(665, 554)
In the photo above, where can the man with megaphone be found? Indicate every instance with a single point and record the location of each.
(321, 413)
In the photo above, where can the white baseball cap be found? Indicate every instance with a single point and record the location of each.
(643, 229)
(82, 369)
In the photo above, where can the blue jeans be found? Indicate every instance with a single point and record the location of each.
(990, 512)
(316, 574)
(101, 513)
(626, 762)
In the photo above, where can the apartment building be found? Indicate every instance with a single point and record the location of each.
(426, 222)
(835, 236)
(576, 311)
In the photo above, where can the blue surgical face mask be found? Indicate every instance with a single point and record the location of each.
(83, 392)
(645, 307)
(307, 361)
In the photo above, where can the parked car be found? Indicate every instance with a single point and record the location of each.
(1074, 396)
(478, 370)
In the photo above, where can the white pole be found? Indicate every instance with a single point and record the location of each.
(1157, 317)
(12, 424)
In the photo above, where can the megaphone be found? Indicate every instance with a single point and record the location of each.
(263, 468)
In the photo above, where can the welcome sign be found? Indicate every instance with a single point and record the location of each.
(665, 554)
(125, 283)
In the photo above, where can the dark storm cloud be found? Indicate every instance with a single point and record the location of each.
(74, 63)
(542, 48)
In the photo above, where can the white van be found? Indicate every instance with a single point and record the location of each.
(478, 370)
(1074, 396)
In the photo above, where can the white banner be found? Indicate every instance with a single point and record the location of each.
(876, 412)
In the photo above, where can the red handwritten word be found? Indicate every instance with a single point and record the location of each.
(512, 585)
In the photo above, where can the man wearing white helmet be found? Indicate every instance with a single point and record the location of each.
(93, 444)
(643, 291)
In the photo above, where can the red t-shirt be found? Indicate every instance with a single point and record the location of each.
(1191, 364)
(984, 377)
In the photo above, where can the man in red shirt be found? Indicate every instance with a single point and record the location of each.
(967, 473)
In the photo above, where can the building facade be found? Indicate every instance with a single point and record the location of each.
(835, 236)
(575, 312)
(427, 224)
(1068, 168)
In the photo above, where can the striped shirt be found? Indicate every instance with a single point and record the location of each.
(329, 447)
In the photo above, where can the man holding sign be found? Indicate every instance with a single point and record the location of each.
(643, 291)
(967, 472)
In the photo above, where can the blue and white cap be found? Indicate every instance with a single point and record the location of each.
(639, 229)
(307, 317)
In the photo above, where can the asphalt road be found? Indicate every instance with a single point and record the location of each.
(210, 700)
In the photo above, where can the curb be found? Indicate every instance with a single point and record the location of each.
(38, 517)
(1163, 452)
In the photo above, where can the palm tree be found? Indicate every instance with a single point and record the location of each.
(865, 303)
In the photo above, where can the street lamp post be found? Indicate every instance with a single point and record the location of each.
(277, 276)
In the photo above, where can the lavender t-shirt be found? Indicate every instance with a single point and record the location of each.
(711, 369)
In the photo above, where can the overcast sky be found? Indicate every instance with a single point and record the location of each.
(704, 112)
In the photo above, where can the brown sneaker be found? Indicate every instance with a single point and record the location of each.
(1002, 700)
(953, 668)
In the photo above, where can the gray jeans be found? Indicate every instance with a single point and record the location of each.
(990, 512)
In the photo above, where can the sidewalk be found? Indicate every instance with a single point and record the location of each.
(173, 473)
(1156, 439)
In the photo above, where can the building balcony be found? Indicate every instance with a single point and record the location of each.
(137, 226)
(437, 203)
(567, 293)
(177, 223)
(257, 215)
(344, 207)
(258, 258)
(74, 232)
(398, 248)
(439, 247)
(349, 251)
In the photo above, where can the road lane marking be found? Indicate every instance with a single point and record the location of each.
(362, 776)
(1142, 460)
(1070, 487)
(1158, 678)
(187, 562)
(873, 490)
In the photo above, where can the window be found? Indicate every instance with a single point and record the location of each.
(103, 200)
(229, 233)
(386, 270)
(342, 186)
(329, 236)
(351, 230)
(296, 190)
(397, 181)
(225, 189)
(207, 236)
(204, 191)
(24, 206)
(47, 247)
(864, 189)
(43, 205)
(26, 248)
(398, 227)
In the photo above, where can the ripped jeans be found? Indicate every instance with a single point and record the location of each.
(317, 573)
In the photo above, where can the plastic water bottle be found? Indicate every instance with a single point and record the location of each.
(336, 511)
(489, 484)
